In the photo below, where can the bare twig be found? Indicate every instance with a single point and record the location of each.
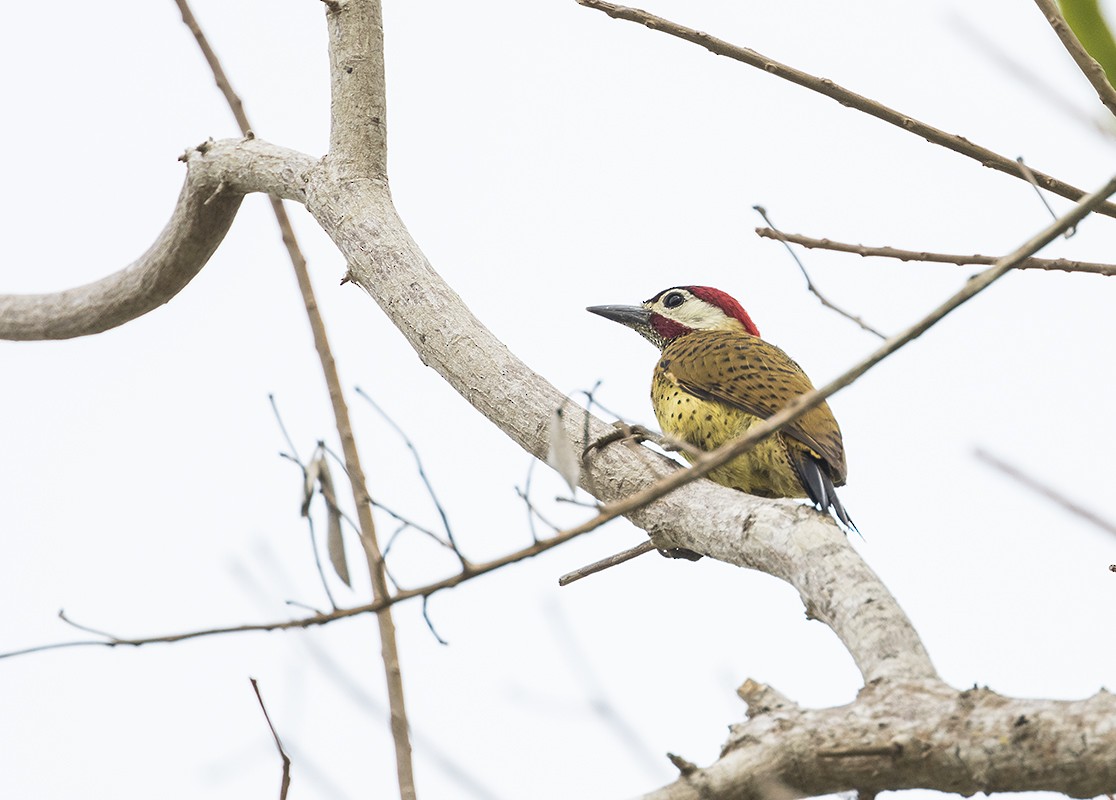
(605, 563)
(283, 430)
(411, 524)
(474, 571)
(958, 144)
(318, 561)
(365, 145)
(429, 624)
(421, 471)
(534, 513)
(574, 501)
(1059, 264)
(709, 461)
(1046, 491)
(286, 782)
(525, 496)
(406, 521)
(683, 766)
(303, 606)
(85, 628)
(810, 285)
(1030, 176)
(1092, 71)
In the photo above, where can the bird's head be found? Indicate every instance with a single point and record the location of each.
(681, 310)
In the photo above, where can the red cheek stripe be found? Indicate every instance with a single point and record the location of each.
(668, 328)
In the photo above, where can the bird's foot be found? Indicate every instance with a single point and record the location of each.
(675, 445)
(623, 433)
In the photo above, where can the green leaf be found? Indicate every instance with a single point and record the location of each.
(1088, 25)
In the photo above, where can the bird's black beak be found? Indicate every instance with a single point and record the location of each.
(636, 317)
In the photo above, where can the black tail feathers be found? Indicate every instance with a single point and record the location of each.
(819, 488)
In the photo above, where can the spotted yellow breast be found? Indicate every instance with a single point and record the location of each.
(711, 386)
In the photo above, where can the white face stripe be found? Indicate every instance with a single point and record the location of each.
(694, 312)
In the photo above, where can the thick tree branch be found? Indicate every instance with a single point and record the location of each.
(811, 751)
(219, 175)
(957, 144)
(1058, 264)
(358, 98)
(916, 736)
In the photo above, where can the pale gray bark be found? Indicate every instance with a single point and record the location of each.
(911, 735)
(219, 175)
(906, 729)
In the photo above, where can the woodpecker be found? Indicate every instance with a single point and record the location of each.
(716, 378)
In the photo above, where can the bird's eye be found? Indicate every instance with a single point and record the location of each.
(673, 300)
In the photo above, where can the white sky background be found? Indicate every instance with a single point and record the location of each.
(546, 158)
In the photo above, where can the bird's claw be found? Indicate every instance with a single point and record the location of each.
(623, 432)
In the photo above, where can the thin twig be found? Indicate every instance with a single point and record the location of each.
(542, 517)
(684, 766)
(589, 410)
(421, 471)
(303, 606)
(283, 429)
(1030, 176)
(408, 523)
(591, 400)
(286, 782)
(525, 496)
(573, 501)
(1046, 491)
(1059, 264)
(1092, 71)
(85, 628)
(318, 561)
(810, 285)
(709, 461)
(958, 144)
(605, 563)
(429, 624)
(395, 534)
(389, 649)
(474, 571)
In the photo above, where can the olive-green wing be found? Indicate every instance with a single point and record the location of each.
(759, 378)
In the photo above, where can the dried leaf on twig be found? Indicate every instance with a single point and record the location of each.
(562, 454)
